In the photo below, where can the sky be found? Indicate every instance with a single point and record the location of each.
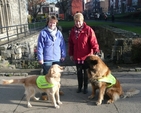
(50, 1)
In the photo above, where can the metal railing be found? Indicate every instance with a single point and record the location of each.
(12, 33)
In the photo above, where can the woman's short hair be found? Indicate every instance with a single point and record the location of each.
(52, 17)
(78, 16)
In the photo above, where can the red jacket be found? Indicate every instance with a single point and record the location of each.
(84, 45)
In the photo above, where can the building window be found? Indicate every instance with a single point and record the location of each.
(51, 9)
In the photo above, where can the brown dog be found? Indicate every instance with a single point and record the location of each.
(101, 78)
(34, 83)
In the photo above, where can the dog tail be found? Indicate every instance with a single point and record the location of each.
(130, 93)
(13, 81)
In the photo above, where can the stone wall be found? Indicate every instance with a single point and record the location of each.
(19, 51)
(12, 12)
(116, 43)
(18, 12)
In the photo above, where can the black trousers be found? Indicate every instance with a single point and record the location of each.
(82, 76)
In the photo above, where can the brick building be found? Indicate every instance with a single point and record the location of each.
(76, 6)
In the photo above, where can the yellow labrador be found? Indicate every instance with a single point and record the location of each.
(33, 84)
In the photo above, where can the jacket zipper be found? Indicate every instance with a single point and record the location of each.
(53, 50)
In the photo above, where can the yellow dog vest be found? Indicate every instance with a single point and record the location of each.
(109, 79)
(42, 83)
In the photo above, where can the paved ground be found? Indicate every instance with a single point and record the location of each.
(12, 99)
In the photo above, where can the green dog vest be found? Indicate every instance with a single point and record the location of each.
(109, 79)
(42, 83)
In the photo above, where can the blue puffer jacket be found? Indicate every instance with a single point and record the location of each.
(48, 49)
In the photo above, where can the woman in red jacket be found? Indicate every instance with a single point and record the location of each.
(82, 43)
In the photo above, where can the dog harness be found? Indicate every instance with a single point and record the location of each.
(108, 79)
(42, 83)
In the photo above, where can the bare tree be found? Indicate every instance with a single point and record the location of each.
(64, 5)
(34, 7)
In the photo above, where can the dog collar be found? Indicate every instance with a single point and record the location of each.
(109, 79)
(42, 83)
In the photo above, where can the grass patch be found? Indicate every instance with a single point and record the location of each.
(66, 24)
(128, 27)
(70, 24)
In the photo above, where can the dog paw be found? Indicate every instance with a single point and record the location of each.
(110, 101)
(29, 105)
(91, 97)
(35, 98)
(57, 106)
(61, 93)
(44, 97)
(98, 103)
(59, 102)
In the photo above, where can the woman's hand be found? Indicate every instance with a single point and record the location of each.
(71, 57)
(62, 59)
(41, 62)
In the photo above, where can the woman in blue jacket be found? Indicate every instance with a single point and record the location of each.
(51, 48)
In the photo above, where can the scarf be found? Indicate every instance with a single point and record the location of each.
(78, 30)
(52, 33)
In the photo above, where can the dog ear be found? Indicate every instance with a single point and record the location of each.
(94, 62)
(61, 67)
(51, 71)
(86, 62)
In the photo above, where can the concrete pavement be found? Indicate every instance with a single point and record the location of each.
(12, 99)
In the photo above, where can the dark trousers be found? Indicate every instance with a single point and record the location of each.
(46, 66)
(82, 76)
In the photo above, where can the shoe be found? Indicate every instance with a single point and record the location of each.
(78, 90)
(85, 91)
(44, 96)
(61, 93)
